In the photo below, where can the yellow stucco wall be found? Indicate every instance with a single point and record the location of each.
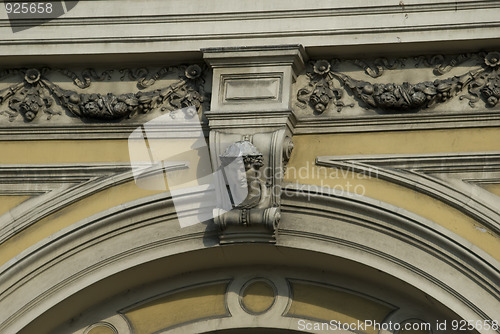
(9, 202)
(307, 148)
(207, 301)
(91, 151)
(493, 188)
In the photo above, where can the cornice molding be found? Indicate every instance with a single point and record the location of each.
(306, 125)
(399, 122)
(267, 14)
(98, 131)
(297, 34)
(429, 162)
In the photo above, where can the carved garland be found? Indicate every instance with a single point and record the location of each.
(482, 83)
(36, 94)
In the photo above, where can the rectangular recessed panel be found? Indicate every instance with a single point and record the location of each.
(238, 89)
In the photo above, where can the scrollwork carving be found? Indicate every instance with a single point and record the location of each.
(87, 76)
(443, 64)
(37, 93)
(403, 97)
(253, 208)
(376, 69)
(28, 98)
(143, 76)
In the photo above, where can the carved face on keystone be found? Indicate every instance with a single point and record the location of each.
(241, 162)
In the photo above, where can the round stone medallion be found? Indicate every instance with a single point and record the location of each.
(257, 296)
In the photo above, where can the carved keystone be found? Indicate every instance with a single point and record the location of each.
(251, 126)
(252, 177)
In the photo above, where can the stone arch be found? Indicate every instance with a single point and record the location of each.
(363, 250)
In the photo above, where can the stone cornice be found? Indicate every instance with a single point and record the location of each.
(288, 36)
(399, 122)
(174, 27)
(271, 14)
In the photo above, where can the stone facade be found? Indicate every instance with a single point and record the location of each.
(263, 167)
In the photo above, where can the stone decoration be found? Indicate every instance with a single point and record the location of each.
(87, 76)
(37, 95)
(442, 63)
(252, 168)
(256, 208)
(479, 83)
(376, 69)
(251, 118)
(146, 79)
(486, 85)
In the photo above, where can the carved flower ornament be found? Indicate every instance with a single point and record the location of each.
(32, 76)
(491, 90)
(30, 106)
(321, 67)
(492, 59)
(193, 72)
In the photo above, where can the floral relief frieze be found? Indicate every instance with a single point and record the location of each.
(326, 87)
(37, 95)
